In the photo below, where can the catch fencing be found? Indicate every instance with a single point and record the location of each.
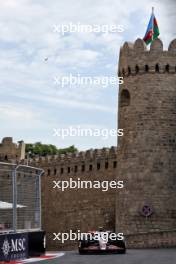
(20, 197)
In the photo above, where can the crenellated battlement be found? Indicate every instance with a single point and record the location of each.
(135, 58)
(92, 154)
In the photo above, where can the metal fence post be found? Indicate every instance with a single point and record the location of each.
(14, 200)
(40, 204)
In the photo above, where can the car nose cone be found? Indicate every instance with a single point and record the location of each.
(102, 244)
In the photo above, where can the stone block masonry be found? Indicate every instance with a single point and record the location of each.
(77, 209)
(146, 153)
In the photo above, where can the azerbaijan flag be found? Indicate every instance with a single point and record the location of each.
(152, 30)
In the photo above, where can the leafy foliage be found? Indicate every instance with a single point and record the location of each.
(43, 149)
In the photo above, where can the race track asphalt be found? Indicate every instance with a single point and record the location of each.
(140, 256)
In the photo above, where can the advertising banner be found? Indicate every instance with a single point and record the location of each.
(13, 246)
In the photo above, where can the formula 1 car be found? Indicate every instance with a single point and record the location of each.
(97, 242)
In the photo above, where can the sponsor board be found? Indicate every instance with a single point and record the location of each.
(13, 247)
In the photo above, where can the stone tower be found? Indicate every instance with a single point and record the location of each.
(11, 152)
(146, 207)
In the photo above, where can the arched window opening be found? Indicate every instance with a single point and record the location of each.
(137, 69)
(106, 165)
(115, 164)
(167, 68)
(129, 70)
(146, 68)
(76, 168)
(90, 167)
(98, 166)
(83, 168)
(157, 68)
(124, 98)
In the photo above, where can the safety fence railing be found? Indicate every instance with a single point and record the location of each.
(20, 197)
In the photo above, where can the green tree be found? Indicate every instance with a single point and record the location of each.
(44, 149)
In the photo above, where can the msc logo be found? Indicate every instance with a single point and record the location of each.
(18, 245)
(13, 246)
(6, 248)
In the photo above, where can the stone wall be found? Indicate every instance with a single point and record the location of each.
(77, 209)
(147, 151)
(165, 239)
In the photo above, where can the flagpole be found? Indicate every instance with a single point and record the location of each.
(152, 23)
(152, 10)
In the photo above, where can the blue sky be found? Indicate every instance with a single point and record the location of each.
(31, 105)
